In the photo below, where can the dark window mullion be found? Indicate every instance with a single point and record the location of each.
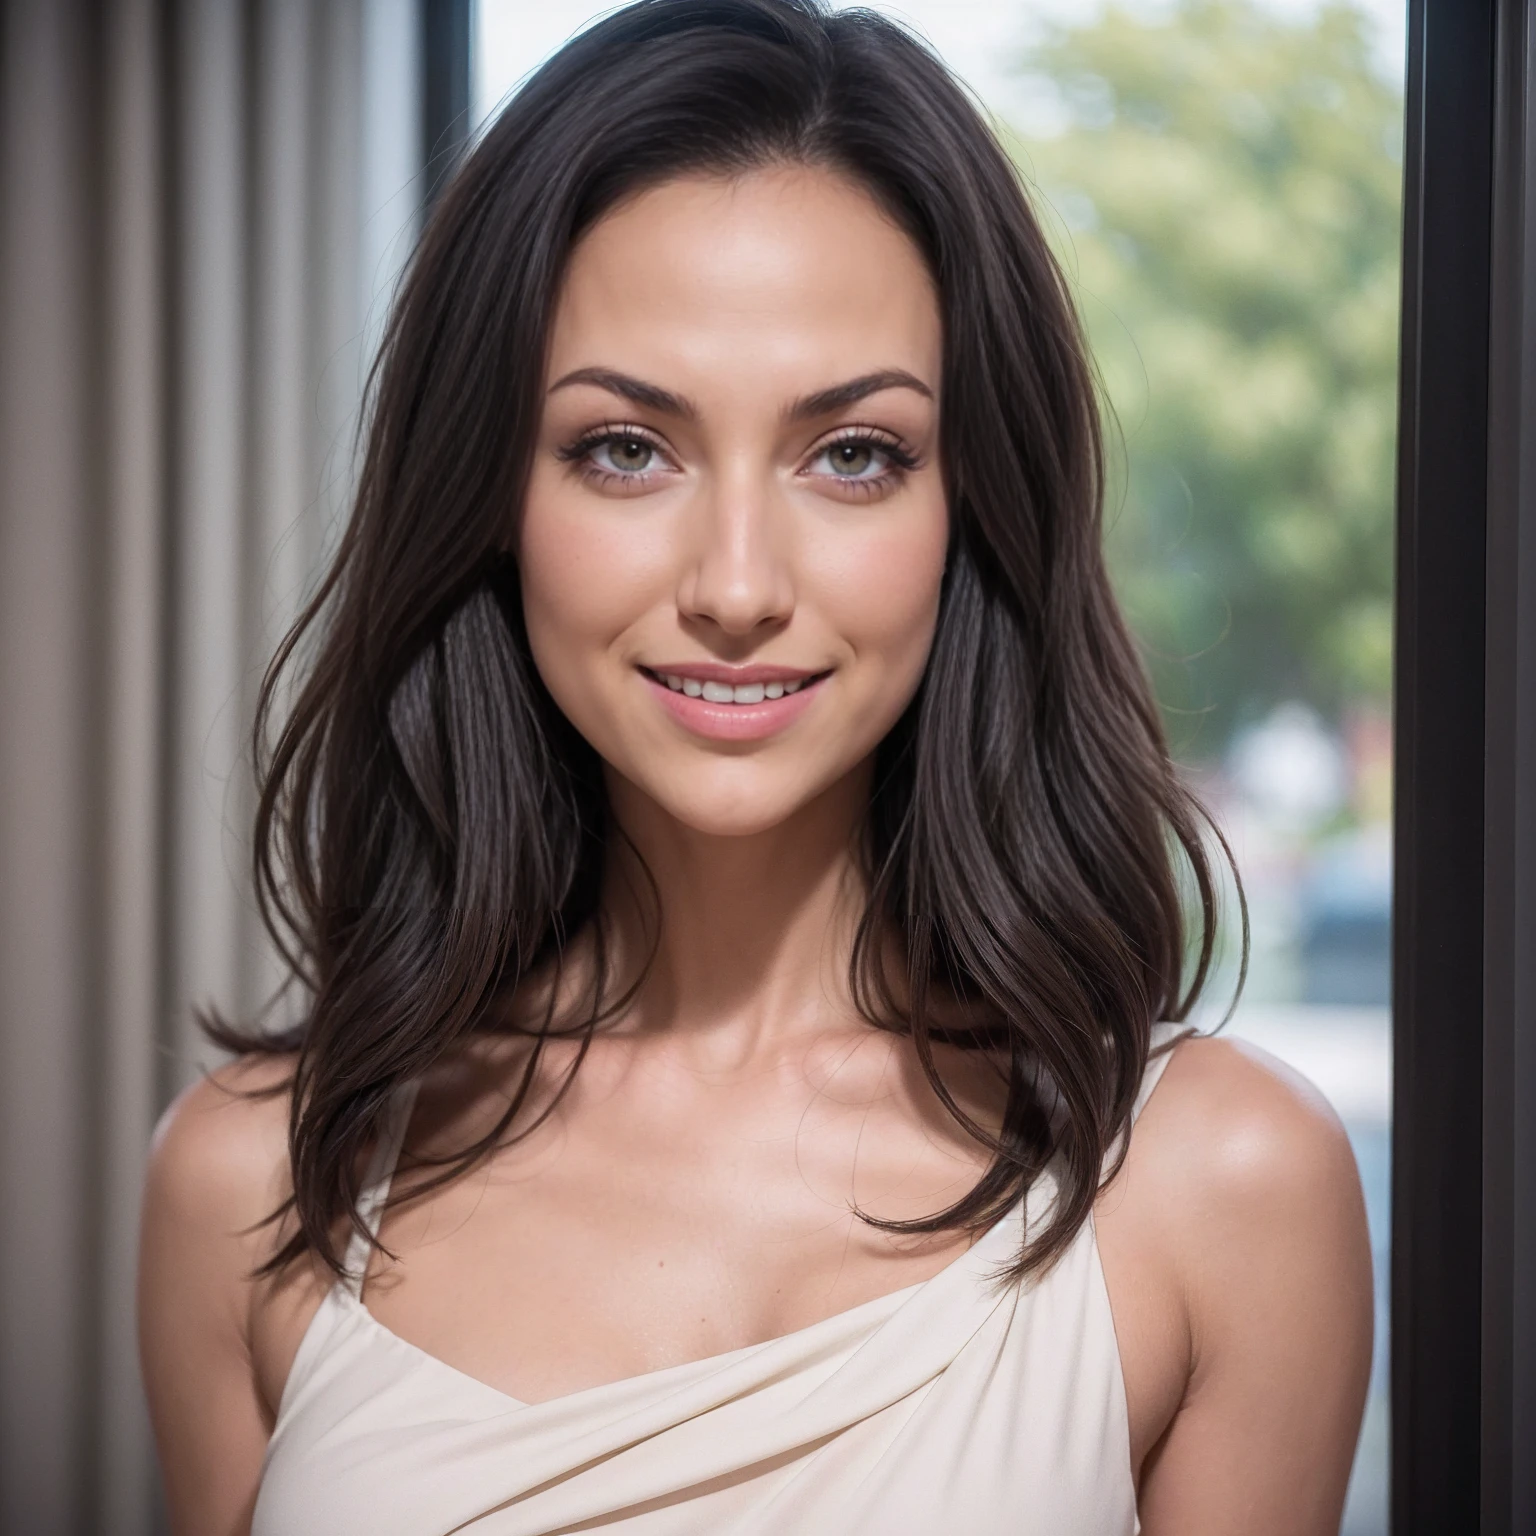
(1444, 774)
(1509, 1005)
(446, 56)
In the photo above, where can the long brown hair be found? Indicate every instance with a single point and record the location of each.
(431, 829)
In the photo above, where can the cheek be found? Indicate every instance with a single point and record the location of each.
(587, 573)
(881, 592)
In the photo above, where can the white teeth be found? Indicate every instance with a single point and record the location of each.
(725, 693)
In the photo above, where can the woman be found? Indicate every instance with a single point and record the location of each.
(730, 846)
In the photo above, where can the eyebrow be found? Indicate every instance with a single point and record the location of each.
(635, 390)
(822, 403)
(839, 396)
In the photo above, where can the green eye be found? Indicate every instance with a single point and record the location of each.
(850, 458)
(626, 455)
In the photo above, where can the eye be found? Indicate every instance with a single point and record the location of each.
(622, 455)
(617, 457)
(851, 460)
(859, 458)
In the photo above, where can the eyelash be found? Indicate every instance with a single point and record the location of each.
(576, 454)
(900, 460)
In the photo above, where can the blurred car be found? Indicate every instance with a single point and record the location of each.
(1345, 921)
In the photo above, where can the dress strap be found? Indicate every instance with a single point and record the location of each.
(1164, 1038)
(375, 1195)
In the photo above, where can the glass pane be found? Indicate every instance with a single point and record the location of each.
(1223, 180)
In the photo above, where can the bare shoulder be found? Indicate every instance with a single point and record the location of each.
(1243, 1164)
(1230, 1126)
(1240, 1198)
(217, 1172)
(219, 1160)
(1238, 1172)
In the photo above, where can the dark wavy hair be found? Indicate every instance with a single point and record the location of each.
(430, 828)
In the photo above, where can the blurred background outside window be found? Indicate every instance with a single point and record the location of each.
(1222, 180)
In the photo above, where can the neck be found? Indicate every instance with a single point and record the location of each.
(752, 934)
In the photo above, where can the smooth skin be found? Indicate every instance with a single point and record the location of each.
(739, 463)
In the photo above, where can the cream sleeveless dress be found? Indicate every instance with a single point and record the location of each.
(958, 1405)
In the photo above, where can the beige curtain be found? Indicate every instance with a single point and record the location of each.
(203, 208)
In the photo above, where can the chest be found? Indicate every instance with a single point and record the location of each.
(950, 1406)
(608, 1245)
(633, 1232)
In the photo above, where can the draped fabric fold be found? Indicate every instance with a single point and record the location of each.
(957, 1404)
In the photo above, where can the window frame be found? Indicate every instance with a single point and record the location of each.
(1464, 947)
(447, 82)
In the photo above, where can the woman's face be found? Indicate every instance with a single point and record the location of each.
(735, 524)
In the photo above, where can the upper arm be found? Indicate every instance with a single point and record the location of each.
(1267, 1235)
(217, 1169)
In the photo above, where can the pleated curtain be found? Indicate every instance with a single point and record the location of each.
(203, 209)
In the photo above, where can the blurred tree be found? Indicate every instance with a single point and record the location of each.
(1226, 192)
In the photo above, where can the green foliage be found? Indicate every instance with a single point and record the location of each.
(1227, 198)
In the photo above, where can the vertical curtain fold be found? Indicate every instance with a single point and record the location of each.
(46, 694)
(197, 232)
(135, 524)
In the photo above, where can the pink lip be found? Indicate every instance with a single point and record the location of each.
(734, 722)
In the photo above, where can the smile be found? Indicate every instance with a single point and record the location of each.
(733, 703)
(727, 693)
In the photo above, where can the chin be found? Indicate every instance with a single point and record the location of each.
(731, 804)
(732, 815)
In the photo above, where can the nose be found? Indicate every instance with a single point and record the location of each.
(738, 578)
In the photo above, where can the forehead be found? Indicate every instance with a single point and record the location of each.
(771, 277)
